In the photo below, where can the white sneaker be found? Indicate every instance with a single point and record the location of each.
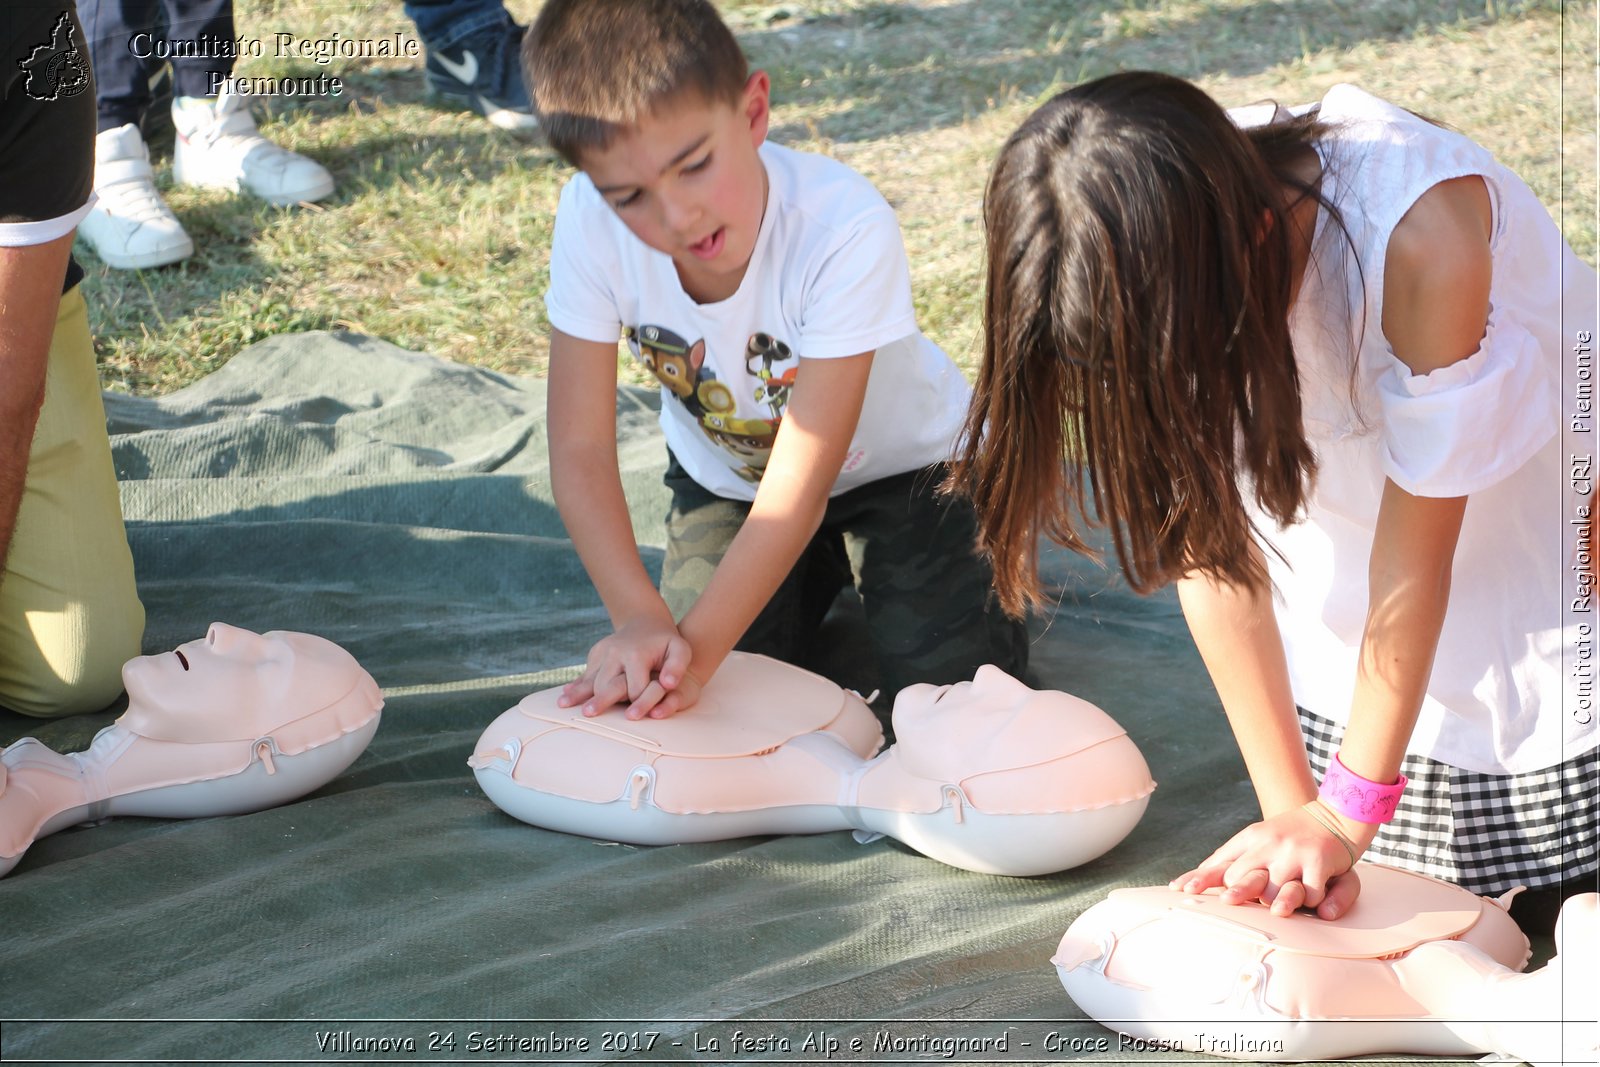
(219, 147)
(130, 227)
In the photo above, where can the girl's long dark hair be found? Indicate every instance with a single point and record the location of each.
(1136, 337)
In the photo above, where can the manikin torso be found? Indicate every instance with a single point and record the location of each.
(1416, 965)
(989, 775)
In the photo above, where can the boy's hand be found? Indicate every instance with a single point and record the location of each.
(644, 655)
(659, 702)
(1288, 862)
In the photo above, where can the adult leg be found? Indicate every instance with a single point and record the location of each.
(208, 23)
(126, 38)
(113, 30)
(69, 613)
(445, 23)
(474, 59)
(927, 594)
(219, 146)
(130, 226)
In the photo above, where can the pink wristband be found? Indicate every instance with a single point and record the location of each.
(1356, 797)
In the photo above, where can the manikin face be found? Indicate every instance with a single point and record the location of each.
(235, 683)
(992, 721)
(941, 709)
(687, 181)
(227, 668)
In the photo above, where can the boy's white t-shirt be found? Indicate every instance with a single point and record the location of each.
(1512, 685)
(828, 278)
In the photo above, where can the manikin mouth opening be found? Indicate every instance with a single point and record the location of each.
(181, 658)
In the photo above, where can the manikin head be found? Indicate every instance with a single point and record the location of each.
(654, 101)
(233, 681)
(233, 722)
(993, 722)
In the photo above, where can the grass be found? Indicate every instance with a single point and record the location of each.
(438, 236)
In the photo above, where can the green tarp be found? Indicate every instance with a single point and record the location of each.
(399, 505)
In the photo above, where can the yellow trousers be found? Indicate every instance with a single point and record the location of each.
(69, 613)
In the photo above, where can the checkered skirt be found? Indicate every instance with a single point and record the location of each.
(1484, 832)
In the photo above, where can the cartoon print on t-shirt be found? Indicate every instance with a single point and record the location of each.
(748, 440)
(675, 362)
(775, 385)
(680, 366)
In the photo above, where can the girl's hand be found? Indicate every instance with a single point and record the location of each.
(1289, 861)
(642, 662)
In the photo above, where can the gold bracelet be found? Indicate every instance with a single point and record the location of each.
(1326, 822)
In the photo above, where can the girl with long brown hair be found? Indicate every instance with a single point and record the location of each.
(1308, 366)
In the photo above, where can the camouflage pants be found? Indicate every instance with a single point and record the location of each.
(931, 614)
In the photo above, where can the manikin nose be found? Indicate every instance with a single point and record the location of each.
(986, 676)
(228, 640)
(991, 679)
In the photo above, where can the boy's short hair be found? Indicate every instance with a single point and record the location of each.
(596, 66)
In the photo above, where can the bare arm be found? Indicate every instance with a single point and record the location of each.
(1237, 636)
(1437, 274)
(30, 295)
(1436, 306)
(806, 457)
(582, 428)
(649, 661)
(1408, 591)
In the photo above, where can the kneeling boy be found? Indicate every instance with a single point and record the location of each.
(807, 418)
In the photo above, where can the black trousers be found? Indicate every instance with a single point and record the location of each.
(908, 551)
